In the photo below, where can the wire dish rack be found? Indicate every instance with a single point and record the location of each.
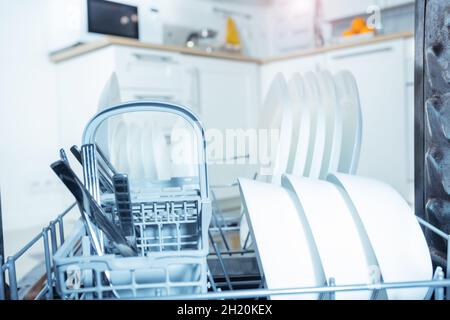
(186, 247)
(231, 273)
(166, 220)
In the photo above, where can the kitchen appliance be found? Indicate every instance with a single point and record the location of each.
(432, 125)
(137, 275)
(112, 18)
(73, 22)
(202, 39)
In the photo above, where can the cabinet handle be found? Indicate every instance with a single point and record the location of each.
(154, 58)
(361, 53)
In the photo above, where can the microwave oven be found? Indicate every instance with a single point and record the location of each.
(79, 21)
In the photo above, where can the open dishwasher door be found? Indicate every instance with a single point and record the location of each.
(432, 120)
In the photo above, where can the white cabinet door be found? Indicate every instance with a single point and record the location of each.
(227, 101)
(380, 73)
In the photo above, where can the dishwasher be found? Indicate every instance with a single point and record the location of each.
(209, 265)
(185, 248)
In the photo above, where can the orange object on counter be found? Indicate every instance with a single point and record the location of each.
(358, 24)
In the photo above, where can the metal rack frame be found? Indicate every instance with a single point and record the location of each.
(53, 237)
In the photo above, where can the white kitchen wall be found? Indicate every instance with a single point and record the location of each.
(290, 25)
(28, 118)
(31, 193)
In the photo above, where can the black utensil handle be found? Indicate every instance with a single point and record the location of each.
(123, 204)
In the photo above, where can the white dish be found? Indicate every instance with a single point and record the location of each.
(301, 102)
(120, 149)
(333, 140)
(394, 232)
(147, 153)
(284, 244)
(109, 97)
(318, 129)
(134, 151)
(182, 150)
(350, 107)
(277, 114)
(345, 254)
(161, 153)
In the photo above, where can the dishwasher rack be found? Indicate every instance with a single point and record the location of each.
(167, 219)
(222, 284)
(198, 238)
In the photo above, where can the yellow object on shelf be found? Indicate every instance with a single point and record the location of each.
(232, 36)
(358, 26)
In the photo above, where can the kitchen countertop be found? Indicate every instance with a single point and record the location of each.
(74, 52)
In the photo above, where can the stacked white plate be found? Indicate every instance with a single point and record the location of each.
(353, 229)
(319, 119)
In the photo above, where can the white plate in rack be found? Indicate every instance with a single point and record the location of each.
(333, 120)
(284, 244)
(120, 148)
(136, 166)
(348, 98)
(301, 102)
(343, 246)
(277, 114)
(318, 128)
(147, 152)
(393, 230)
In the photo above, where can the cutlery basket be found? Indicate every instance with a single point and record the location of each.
(170, 219)
(81, 275)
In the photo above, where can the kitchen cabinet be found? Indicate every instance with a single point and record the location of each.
(379, 70)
